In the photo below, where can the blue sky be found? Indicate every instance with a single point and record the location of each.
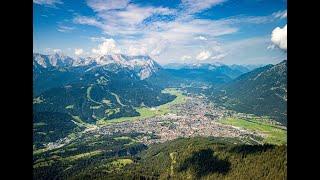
(170, 31)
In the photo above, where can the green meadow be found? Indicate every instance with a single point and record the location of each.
(274, 134)
(147, 112)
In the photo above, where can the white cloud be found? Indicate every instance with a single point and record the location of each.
(183, 58)
(279, 37)
(250, 51)
(280, 14)
(152, 46)
(106, 47)
(158, 47)
(78, 52)
(47, 2)
(271, 46)
(52, 51)
(47, 50)
(218, 57)
(134, 51)
(57, 50)
(193, 6)
(87, 21)
(62, 28)
(217, 48)
(184, 32)
(145, 30)
(102, 5)
(97, 39)
(135, 14)
(201, 38)
(203, 55)
(119, 17)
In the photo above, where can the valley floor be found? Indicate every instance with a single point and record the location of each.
(186, 116)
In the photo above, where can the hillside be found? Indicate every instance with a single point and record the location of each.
(211, 158)
(80, 94)
(188, 158)
(262, 91)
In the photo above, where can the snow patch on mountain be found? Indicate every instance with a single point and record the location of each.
(143, 66)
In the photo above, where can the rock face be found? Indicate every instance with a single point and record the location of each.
(143, 66)
(54, 60)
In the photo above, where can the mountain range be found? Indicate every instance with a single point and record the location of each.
(198, 73)
(72, 96)
(87, 90)
(143, 66)
(68, 90)
(244, 67)
(262, 91)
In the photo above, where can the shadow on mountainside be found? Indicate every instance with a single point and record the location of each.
(250, 149)
(203, 162)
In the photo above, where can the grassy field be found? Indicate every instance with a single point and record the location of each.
(117, 165)
(69, 159)
(146, 112)
(39, 124)
(78, 119)
(123, 138)
(70, 106)
(83, 155)
(126, 138)
(275, 135)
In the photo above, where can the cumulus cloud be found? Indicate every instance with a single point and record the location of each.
(279, 37)
(78, 52)
(203, 55)
(147, 30)
(106, 47)
(151, 46)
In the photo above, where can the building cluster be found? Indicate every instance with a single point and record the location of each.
(196, 117)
